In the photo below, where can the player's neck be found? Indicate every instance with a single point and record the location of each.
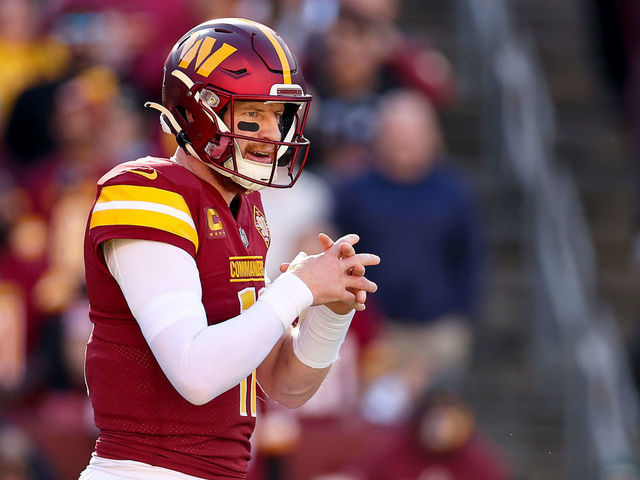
(205, 173)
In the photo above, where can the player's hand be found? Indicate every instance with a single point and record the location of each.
(336, 276)
(346, 250)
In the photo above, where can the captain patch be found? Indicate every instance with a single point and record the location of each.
(215, 228)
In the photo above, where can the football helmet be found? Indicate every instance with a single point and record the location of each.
(216, 64)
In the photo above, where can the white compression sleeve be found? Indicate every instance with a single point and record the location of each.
(200, 361)
(320, 335)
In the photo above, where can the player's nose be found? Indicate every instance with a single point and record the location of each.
(269, 128)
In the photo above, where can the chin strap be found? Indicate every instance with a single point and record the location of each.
(182, 139)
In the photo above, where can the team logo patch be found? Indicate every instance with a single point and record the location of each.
(215, 228)
(260, 222)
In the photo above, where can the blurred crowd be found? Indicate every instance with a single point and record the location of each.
(74, 77)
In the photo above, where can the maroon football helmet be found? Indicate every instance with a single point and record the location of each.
(223, 61)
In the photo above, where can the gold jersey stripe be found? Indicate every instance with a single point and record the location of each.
(254, 394)
(243, 397)
(286, 68)
(145, 218)
(143, 194)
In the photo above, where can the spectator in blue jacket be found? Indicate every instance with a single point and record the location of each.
(416, 209)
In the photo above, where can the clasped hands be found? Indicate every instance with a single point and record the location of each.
(336, 276)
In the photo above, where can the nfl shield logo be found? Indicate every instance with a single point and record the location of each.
(243, 236)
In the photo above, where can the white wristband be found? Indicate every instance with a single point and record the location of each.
(288, 296)
(320, 335)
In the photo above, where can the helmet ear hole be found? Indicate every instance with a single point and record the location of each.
(185, 114)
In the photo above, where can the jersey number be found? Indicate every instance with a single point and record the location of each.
(248, 387)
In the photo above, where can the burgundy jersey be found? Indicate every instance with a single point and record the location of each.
(139, 413)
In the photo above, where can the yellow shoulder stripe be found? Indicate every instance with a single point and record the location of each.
(144, 207)
(136, 218)
(143, 194)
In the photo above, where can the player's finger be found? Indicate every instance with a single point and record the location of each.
(364, 259)
(357, 270)
(350, 238)
(325, 241)
(361, 283)
(349, 298)
(361, 296)
(347, 250)
(283, 267)
(359, 307)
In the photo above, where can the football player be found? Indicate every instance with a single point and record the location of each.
(187, 337)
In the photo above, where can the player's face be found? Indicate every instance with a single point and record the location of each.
(259, 120)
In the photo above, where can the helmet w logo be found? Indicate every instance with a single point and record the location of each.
(206, 61)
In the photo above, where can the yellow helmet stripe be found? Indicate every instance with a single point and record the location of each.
(286, 68)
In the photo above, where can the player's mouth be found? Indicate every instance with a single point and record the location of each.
(260, 156)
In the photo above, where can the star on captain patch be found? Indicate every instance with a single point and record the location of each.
(260, 222)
